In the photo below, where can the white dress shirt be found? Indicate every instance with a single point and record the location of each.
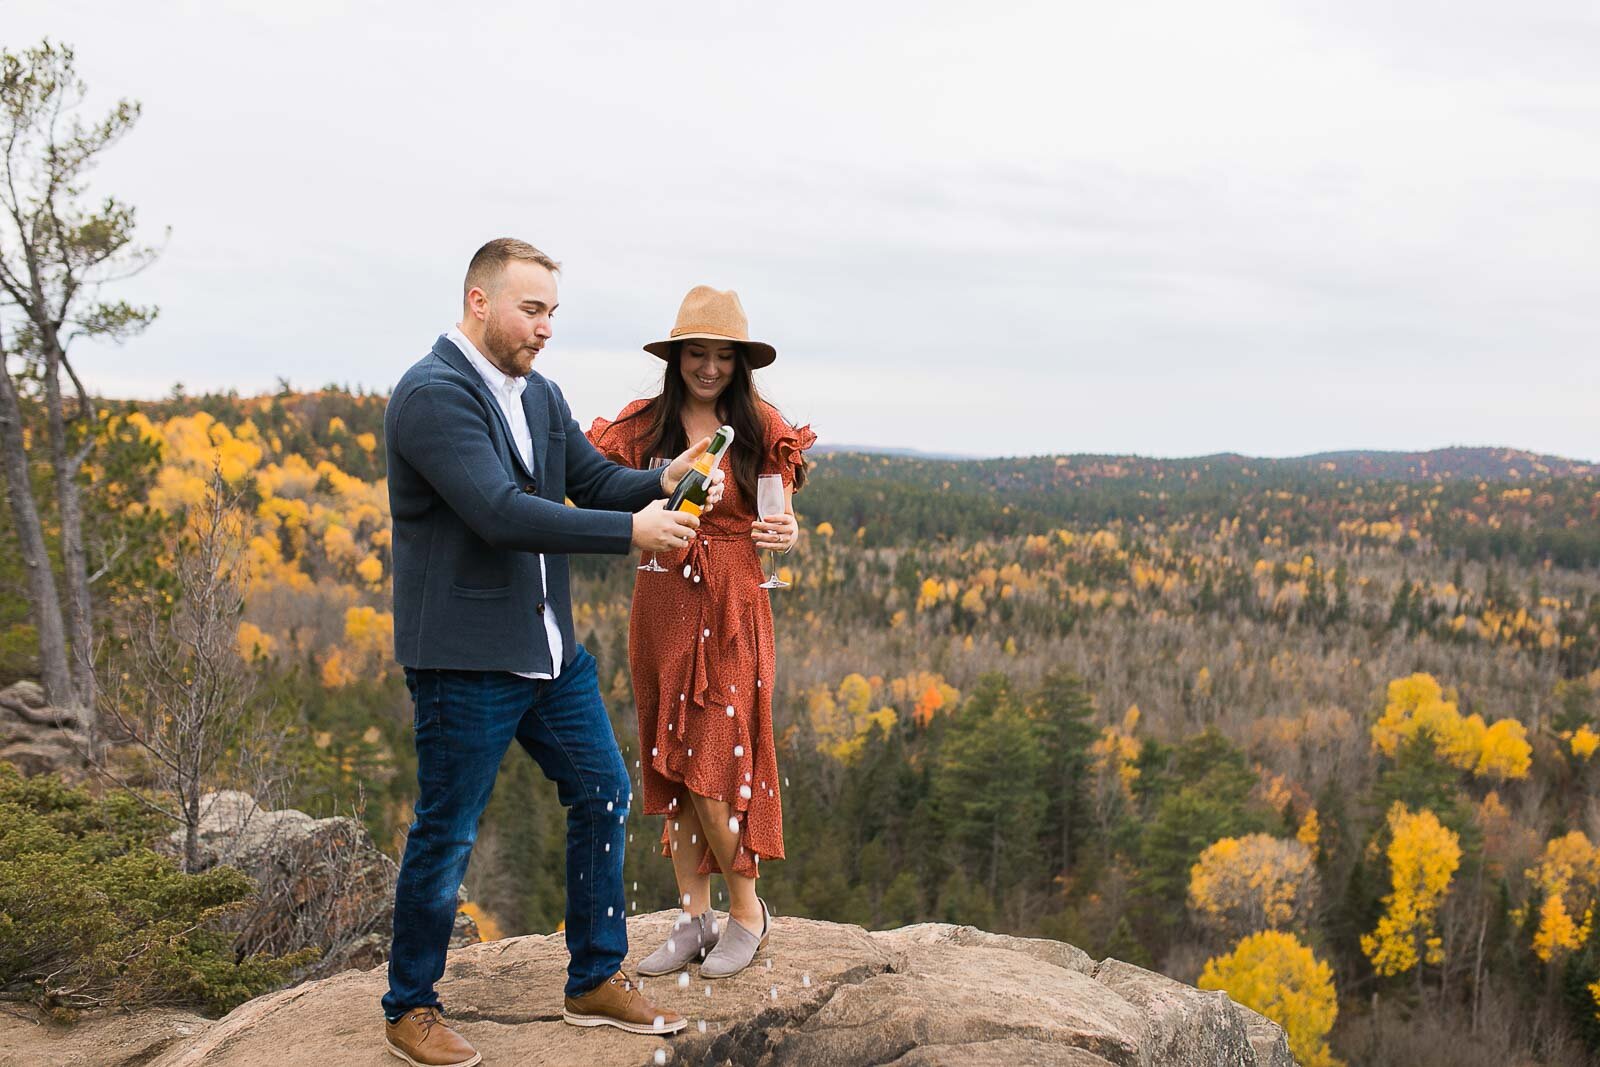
(507, 392)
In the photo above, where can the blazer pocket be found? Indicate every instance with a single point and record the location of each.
(499, 593)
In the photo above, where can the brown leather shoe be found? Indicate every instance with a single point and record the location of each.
(618, 1002)
(423, 1040)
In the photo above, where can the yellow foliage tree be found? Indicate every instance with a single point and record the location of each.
(370, 570)
(1584, 742)
(1242, 885)
(336, 672)
(1418, 707)
(1558, 934)
(1273, 973)
(1423, 857)
(843, 720)
(253, 643)
(369, 631)
(855, 695)
(1111, 766)
(1568, 875)
(1505, 752)
(1310, 832)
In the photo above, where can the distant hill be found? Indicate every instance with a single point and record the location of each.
(1440, 464)
(885, 450)
(311, 422)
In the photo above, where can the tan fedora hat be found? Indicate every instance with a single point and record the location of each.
(713, 315)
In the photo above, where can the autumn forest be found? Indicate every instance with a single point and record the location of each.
(1319, 732)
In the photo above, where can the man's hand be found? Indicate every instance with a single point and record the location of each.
(684, 464)
(655, 529)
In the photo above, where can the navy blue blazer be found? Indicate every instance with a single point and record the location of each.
(470, 517)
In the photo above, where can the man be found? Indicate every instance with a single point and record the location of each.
(482, 454)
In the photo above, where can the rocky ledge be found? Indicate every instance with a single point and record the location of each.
(819, 994)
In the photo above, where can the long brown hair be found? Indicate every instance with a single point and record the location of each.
(738, 405)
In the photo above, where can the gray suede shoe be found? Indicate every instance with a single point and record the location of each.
(737, 947)
(689, 940)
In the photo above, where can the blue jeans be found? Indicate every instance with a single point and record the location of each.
(465, 721)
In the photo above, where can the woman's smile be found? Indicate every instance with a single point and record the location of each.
(707, 367)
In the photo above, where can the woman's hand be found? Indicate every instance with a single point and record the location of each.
(775, 535)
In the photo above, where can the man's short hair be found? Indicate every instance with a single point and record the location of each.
(489, 262)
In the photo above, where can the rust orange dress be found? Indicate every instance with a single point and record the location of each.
(700, 642)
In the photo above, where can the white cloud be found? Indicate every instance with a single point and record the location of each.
(1248, 227)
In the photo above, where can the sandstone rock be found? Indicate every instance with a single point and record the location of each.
(25, 701)
(1007, 1052)
(954, 995)
(1271, 1044)
(45, 756)
(23, 695)
(35, 737)
(109, 1041)
(1183, 1024)
(1059, 953)
(506, 997)
(818, 994)
(323, 883)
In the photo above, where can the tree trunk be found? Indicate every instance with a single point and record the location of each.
(1477, 972)
(191, 832)
(994, 861)
(74, 560)
(1069, 792)
(30, 536)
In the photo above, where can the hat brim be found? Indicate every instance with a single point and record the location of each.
(759, 353)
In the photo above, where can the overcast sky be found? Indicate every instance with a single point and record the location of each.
(1169, 229)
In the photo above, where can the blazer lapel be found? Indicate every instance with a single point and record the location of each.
(536, 407)
(446, 350)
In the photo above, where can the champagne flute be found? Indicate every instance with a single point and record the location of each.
(656, 463)
(770, 505)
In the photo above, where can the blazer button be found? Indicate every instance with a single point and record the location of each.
(539, 610)
(530, 488)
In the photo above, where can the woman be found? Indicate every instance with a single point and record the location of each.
(701, 634)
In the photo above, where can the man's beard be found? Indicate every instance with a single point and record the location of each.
(504, 351)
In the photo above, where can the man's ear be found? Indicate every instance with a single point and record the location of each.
(477, 303)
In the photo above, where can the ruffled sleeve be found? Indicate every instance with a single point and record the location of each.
(785, 445)
(619, 440)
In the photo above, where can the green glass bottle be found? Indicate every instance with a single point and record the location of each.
(691, 493)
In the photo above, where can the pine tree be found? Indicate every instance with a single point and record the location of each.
(1062, 710)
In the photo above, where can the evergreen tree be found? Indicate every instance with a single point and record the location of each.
(1062, 712)
(986, 787)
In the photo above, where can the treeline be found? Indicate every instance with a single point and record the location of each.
(1032, 695)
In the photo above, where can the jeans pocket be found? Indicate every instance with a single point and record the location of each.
(426, 699)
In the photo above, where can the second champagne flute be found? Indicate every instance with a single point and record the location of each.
(770, 505)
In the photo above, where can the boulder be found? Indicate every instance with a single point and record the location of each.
(1182, 1024)
(1059, 953)
(37, 738)
(97, 1041)
(818, 994)
(951, 995)
(1267, 1038)
(48, 755)
(324, 883)
(23, 696)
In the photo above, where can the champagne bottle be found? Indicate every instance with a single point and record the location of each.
(691, 493)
